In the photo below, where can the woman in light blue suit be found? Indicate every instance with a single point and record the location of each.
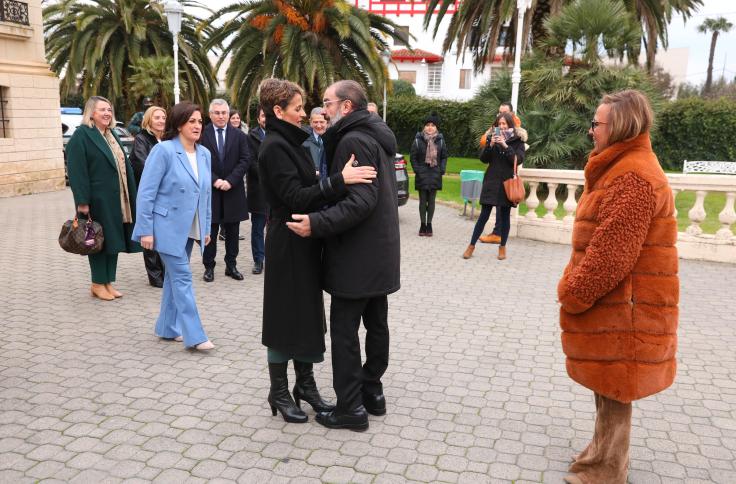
(174, 210)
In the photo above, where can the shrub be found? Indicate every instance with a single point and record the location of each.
(402, 88)
(696, 129)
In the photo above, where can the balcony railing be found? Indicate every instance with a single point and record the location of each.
(692, 243)
(14, 12)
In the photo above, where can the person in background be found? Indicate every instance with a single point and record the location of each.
(103, 185)
(153, 127)
(619, 293)
(502, 150)
(495, 236)
(134, 126)
(429, 161)
(231, 155)
(293, 306)
(256, 201)
(315, 145)
(372, 108)
(174, 210)
(236, 121)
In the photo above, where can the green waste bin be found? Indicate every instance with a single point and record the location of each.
(471, 184)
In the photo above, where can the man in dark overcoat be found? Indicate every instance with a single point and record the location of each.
(231, 155)
(361, 255)
(256, 199)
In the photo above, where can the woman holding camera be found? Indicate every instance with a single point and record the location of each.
(502, 151)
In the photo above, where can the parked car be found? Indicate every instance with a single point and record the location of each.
(71, 118)
(402, 179)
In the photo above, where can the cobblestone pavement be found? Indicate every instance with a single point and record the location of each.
(476, 388)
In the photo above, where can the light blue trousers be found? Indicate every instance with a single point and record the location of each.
(179, 315)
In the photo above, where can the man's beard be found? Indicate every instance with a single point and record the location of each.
(334, 119)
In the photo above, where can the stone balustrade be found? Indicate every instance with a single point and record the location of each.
(692, 243)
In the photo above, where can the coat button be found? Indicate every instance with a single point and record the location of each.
(181, 190)
(173, 208)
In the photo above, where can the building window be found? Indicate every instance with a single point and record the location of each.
(14, 12)
(434, 79)
(465, 78)
(409, 76)
(405, 32)
(4, 121)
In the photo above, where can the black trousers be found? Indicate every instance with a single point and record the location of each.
(349, 376)
(154, 266)
(232, 245)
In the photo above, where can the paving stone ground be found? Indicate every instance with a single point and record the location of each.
(476, 388)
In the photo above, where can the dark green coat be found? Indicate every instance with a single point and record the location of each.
(93, 177)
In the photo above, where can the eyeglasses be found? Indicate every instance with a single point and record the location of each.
(219, 113)
(594, 124)
(326, 102)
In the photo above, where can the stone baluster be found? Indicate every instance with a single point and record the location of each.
(727, 217)
(674, 200)
(550, 203)
(570, 205)
(697, 213)
(532, 202)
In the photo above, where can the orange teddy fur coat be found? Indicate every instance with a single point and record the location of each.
(620, 290)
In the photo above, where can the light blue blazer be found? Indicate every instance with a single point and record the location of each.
(168, 196)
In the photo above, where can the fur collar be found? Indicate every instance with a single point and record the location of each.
(599, 163)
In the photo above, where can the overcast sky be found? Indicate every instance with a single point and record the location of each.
(680, 35)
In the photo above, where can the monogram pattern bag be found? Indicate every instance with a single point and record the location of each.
(514, 187)
(83, 238)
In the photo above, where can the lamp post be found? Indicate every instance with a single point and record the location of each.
(174, 11)
(386, 57)
(522, 6)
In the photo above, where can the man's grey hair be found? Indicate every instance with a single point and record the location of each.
(316, 112)
(219, 102)
(354, 92)
(372, 105)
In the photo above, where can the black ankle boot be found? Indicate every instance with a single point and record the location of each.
(422, 230)
(429, 230)
(305, 388)
(279, 397)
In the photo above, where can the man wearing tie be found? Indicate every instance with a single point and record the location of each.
(317, 127)
(231, 155)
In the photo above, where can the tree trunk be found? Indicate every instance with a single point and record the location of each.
(651, 46)
(709, 79)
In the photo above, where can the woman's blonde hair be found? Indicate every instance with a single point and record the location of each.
(89, 108)
(630, 115)
(277, 92)
(148, 118)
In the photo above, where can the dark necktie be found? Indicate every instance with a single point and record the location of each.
(220, 144)
(322, 159)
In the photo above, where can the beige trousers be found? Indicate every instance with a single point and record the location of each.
(606, 459)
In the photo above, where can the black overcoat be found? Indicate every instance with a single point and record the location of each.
(428, 177)
(93, 177)
(142, 146)
(500, 168)
(293, 309)
(256, 199)
(230, 206)
(361, 231)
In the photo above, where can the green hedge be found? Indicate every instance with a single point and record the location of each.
(696, 129)
(406, 116)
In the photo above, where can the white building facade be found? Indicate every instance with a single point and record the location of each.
(431, 73)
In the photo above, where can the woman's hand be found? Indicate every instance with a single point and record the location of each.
(83, 208)
(207, 239)
(357, 174)
(147, 242)
(502, 142)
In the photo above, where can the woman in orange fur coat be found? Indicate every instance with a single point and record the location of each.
(620, 290)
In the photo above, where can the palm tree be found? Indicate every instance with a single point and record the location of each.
(476, 25)
(97, 43)
(310, 42)
(715, 26)
(154, 77)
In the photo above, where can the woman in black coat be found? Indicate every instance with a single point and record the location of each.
(503, 150)
(152, 130)
(293, 310)
(429, 162)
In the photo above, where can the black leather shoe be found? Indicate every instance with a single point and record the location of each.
(355, 420)
(258, 267)
(209, 274)
(374, 403)
(233, 272)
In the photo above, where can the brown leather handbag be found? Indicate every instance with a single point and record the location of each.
(514, 187)
(83, 238)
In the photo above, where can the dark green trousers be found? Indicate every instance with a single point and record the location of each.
(103, 267)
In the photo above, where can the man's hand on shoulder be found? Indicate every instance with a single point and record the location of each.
(301, 226)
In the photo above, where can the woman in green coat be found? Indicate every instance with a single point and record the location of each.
(103, 185)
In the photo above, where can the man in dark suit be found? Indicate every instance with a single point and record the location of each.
(231, 155)
(256, 199)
